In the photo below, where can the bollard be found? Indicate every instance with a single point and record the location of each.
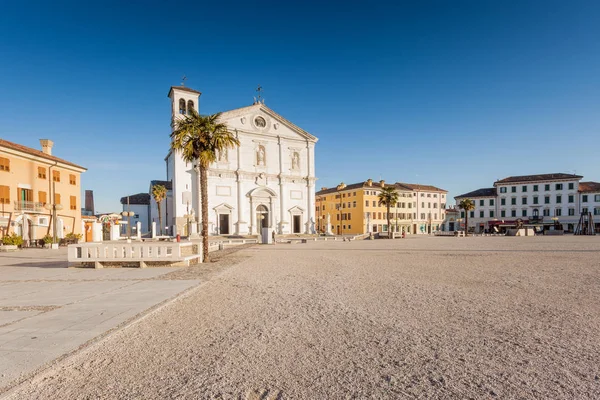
(178, 238)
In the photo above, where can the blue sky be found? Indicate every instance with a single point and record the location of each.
(450, 93)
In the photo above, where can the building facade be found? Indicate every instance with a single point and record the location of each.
(32, 182)
(266, 182)
(545, 199)
(355, 209)
(139, 205)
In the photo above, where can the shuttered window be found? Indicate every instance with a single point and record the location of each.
(56, 176)
(4, 194)
(73, 201)
(72, 179)
(4, 164)
(42, 172)
(56, 198)
(42, 197)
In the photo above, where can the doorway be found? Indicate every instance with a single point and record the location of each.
(296, 224)
(223, 224)
(262, 217)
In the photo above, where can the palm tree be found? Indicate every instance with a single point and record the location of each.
(466, 205)
(388, 197)
(159, 193)
(199, 138)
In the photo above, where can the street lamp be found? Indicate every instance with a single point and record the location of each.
(128, 214)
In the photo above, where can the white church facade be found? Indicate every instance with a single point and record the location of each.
(266, 182)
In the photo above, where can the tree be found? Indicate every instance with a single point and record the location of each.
(388, 197)
(466, 205)
(200, 139)
(159, 193)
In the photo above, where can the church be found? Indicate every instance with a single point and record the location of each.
(266, 182)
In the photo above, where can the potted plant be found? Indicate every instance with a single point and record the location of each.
(11, 242)
(73, 238)
(47, 241)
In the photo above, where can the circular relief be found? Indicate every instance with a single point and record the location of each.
(260, 122)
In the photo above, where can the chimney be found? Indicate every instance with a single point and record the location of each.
(323, 188)
(369, 182)
(47, 146)
(382, 183)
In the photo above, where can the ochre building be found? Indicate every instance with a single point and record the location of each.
(354, 209)
(32, 183)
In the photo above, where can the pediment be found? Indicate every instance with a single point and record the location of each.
(260, 119)
(262, 191)
(223, 207)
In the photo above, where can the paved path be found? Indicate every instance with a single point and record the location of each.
(48, 310)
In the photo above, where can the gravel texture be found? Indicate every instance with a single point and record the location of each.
(481, 318)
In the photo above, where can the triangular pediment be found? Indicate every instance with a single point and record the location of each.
(260, 119)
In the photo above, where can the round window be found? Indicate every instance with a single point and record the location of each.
(260, 122)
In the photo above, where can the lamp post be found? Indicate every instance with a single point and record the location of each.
(128, 214)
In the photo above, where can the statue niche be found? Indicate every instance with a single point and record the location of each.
(260, 155)
(295, 160)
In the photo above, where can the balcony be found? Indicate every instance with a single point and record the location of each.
(536, 219)
(29, 206)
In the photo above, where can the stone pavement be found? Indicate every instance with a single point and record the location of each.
(48, 310)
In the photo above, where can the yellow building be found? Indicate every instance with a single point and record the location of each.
(354, 209)
(31, 183)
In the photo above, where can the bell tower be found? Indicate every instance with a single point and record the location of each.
(183, 99)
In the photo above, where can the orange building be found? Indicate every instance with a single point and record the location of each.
(32, 182)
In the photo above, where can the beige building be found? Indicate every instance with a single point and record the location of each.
(31, 183)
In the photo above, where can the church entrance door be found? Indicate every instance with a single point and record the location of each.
(296, 224)
(262, 216)
(223, 224)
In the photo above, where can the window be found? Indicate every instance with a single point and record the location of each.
(503, 190)
(435, 195)
(349, 226)
(597, 197)
(502, 213)
(73, 201)
(491, 214)
(546, 187)
(366, 203)
(72, 179)
(558, 199)
(481, 203)
(535, 188)
(535, 200)
(56, 176)
(422, 215)
(503, 201)
(428, 205)
(41, 172)
(513, 213)
(571, 186)
(56, 198)
(524, 200)
(462, 214)
(524, 213)
(428, 194)
(546, 212)
(584, 210)
(190, 107)
(558, 212)
(472, 214)
(422, 194)
(524, 189)
(4, 164)
(584, 198)
(354, 204)
(558, 186)
(571, 211)
(571, 198)
(42, 197)
(491, 202)
(374, 204)
(4, 194)
(547, 200)
(513, 201)
(513, 189)
(181, 106)
(596, 211)
(422, 204)
(480, 214)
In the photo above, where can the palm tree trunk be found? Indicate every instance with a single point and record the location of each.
(388, 221)
(466, 223)
(159, 219)
(204, 197)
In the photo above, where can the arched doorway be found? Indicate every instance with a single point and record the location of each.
(262, 216)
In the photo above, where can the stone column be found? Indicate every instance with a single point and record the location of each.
(309, 191)
(138, 230)
(282, 219)
(96, 232)
(254, 228)
(153, 229)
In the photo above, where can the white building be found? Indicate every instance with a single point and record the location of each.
(535, 199)
(139, 204)
(266, 182)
